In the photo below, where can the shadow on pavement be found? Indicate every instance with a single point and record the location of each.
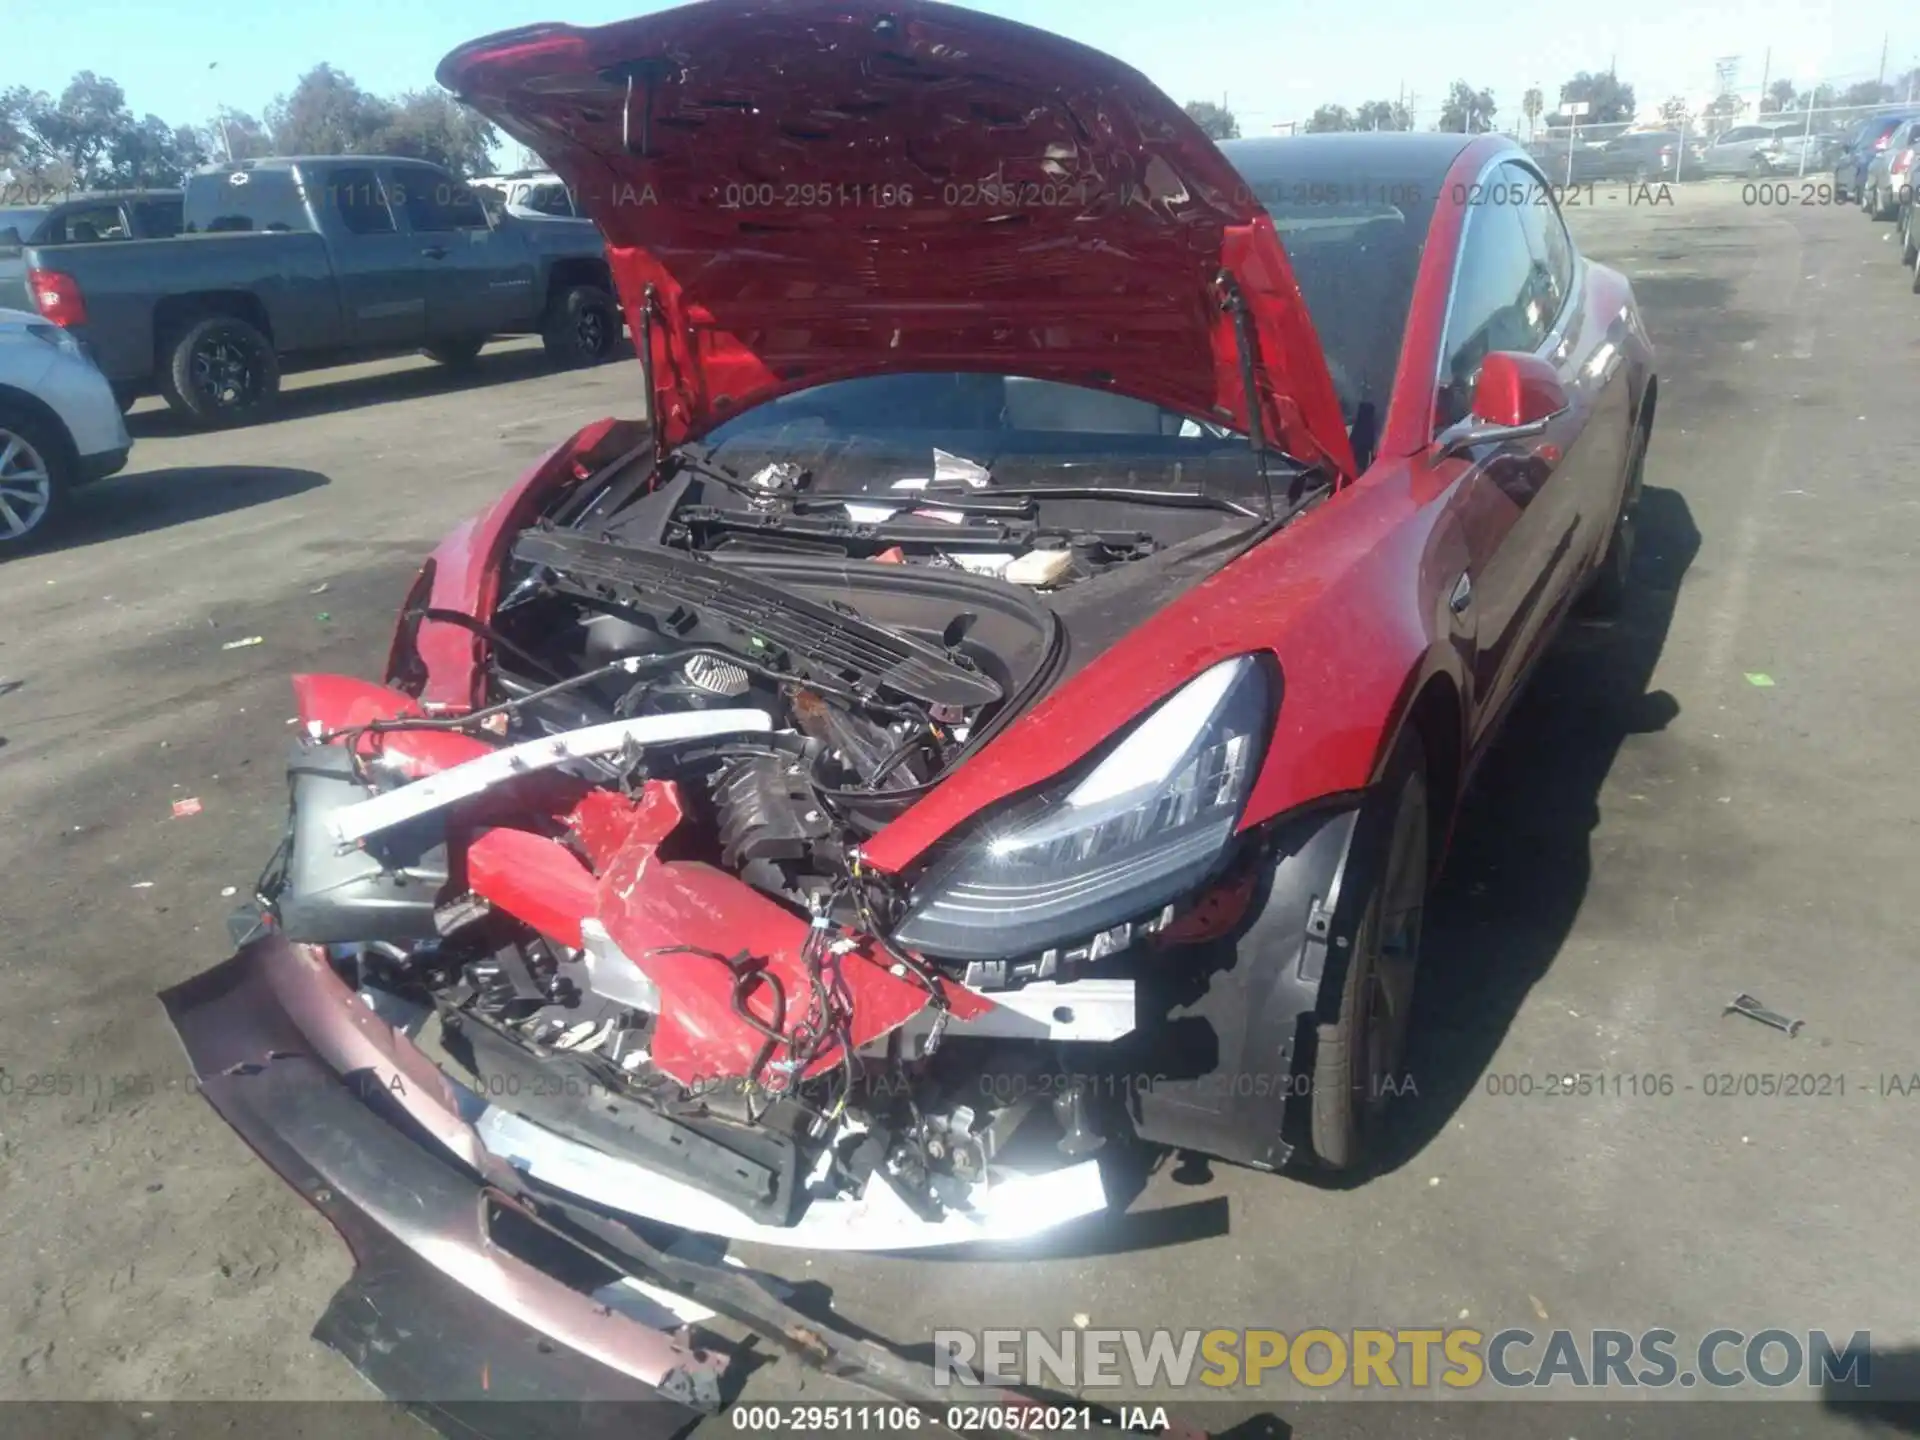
(1521, 856)
(154, 499)
(492, 367)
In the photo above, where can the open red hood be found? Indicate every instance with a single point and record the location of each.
(817, 189)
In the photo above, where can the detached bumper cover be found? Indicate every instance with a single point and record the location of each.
(436, 1313)
(451, 1309)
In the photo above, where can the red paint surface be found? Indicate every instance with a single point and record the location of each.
(819, 189)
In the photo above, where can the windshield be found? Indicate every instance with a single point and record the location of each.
(843, 430)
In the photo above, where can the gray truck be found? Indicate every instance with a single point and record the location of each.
(316, 260)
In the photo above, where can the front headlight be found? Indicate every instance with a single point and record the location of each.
(1146, 825)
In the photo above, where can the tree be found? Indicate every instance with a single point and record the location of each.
(1867, 92)
(1467, 111)
(1673, 110)
(1720, 110)
(1216, 120)
(235, 135)
(1532, 105)
(1608, 101)
(1382, 115)
(1329, 118)
(151, 153)
(432, 125)
(328, 114)
(1780, 96)
(81, 127)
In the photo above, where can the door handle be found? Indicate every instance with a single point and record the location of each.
(435, 252)
(1462, 595)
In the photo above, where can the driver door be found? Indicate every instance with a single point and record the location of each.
(1511, 501)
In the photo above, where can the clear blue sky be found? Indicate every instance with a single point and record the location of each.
(1273, 59)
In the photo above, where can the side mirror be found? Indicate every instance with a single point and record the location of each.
(1516, 396)
(11, 245)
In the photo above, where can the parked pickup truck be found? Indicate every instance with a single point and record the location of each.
(321, 259)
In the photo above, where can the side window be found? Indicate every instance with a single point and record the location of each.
(157, 219)
(93, 223)
(435, 203)
(1494, 304)
(1547, 242)
(355, 194)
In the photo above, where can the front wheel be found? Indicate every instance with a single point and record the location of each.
(1916, 276)
(1909, 242)
(1758, 169)
(1358, 1058)
(221, 372)
(583, 326)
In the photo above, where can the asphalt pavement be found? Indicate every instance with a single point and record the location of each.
(1718, 795)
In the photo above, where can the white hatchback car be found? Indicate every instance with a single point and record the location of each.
(60, 426)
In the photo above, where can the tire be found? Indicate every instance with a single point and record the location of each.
(1641, 175)
(221, 372)
(1758, 169)
(583, 326)
(1607, 592)
(1916, 276)
(1357, 1058)
(37, 471)
(1909, 250)
(457, 354)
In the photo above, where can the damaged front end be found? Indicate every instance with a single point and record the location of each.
(624, 904)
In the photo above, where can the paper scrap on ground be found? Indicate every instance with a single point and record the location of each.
(184, 808)
(1759, 681)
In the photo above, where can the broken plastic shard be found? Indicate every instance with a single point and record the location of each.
(189, 806)
(1759, 681)
(243, 644)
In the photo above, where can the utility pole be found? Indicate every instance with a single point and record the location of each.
(1883, 58)
(1766, 69)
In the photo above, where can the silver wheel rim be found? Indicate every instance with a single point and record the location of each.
(26, 487)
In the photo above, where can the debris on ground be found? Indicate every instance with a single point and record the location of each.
(1759, 681)
(189, 806)
(1751, 1008)
(319, 589)
(143, 884)
(323, 617)
(243, 644)
(228, 892)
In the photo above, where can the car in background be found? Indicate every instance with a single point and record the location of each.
(60, 427)
(1888, 181)
(81, 220)
(1648, 156)
(1760, 149)
(320, 259)
(1863, 143)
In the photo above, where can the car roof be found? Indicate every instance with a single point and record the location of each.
(1404, 157)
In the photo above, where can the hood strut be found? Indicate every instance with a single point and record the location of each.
(1235, 304)
(649, 303)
